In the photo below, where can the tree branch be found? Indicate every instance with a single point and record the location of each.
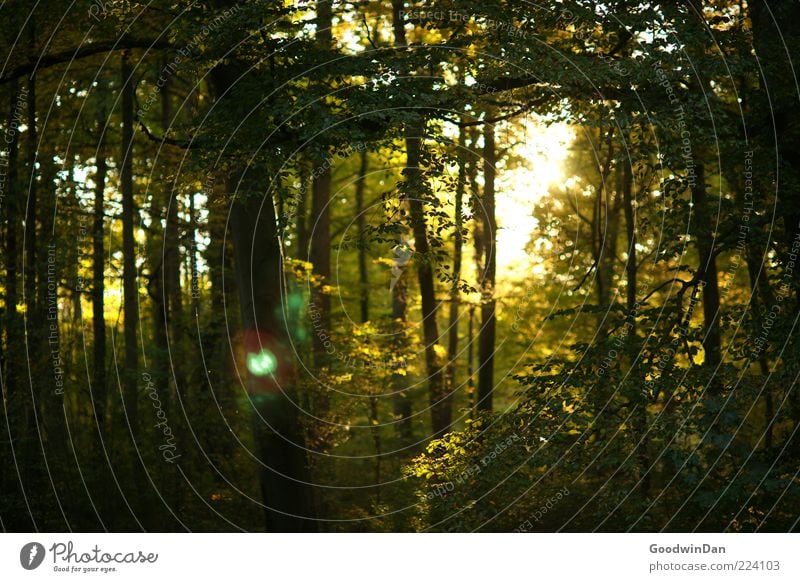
(87, 50)
(164, 140)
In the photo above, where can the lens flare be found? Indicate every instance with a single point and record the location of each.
(263, 363)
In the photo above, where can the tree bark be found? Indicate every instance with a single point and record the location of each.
(29, 265)
(641, 398)
(193, 273)
(605, 221)
(321, 259)
(20, 516)
(129, 275)
(486, 334)
(301, 218)
(772, 124)
(455, 293)
(321, 219)
(14, 333)
(271, 375)
(363, 273)
(99, 387)
(278, 436)
(399, 379)
(708, 276)
(441, 414)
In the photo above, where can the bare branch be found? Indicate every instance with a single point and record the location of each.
(83, 51)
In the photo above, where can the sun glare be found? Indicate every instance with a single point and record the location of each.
(542, 150)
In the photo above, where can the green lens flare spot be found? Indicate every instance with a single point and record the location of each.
(263, 363)
(295, 300)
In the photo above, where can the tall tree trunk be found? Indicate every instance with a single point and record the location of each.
(158, 249)
(129, 276)
(99, 384)
(14, 334)
(441, 413)
(471, 362)
(321, 222)
(301, 218)
(193, 273)
(772, 124)
(321, 259)
(761, 298)
(605, 220)
(486, 335)
(271, 374)
(53, 366)
(473, 163)
(173, 296)
(172, 265)
(399, 379)
(217, 258)
(708, 277)
(36, 326)
(402, 401)
(631, 265)
(30, 265)
(641, 399)
(363, 273)
(776, 130)
(20, 517)
(455, 293)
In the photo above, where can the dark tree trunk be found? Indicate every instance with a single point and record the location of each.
(708, 276)
(218, 260)
(321, 236)
(20, 517)
(36, 327)
(402, 401)
(53, 366)
(455, 294)
(631, 265)
(471, 361)
(172, 290)
(99, 384)
(321, 259)
(399, 380)
(778, 103)
(173, 297)
(761, 298)
(156, 244)
(441, 414)
(193, 273)
(363, 273)
(473, 161)
(605, 221)
(30, 265)
(641, 398)
(301, 218)
(278, 435)
(270, 375)
(14, 333)
(29, 249)
(773, 127)
(486, 335)
(129, 275)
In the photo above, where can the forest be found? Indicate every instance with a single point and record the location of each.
(399, 266)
